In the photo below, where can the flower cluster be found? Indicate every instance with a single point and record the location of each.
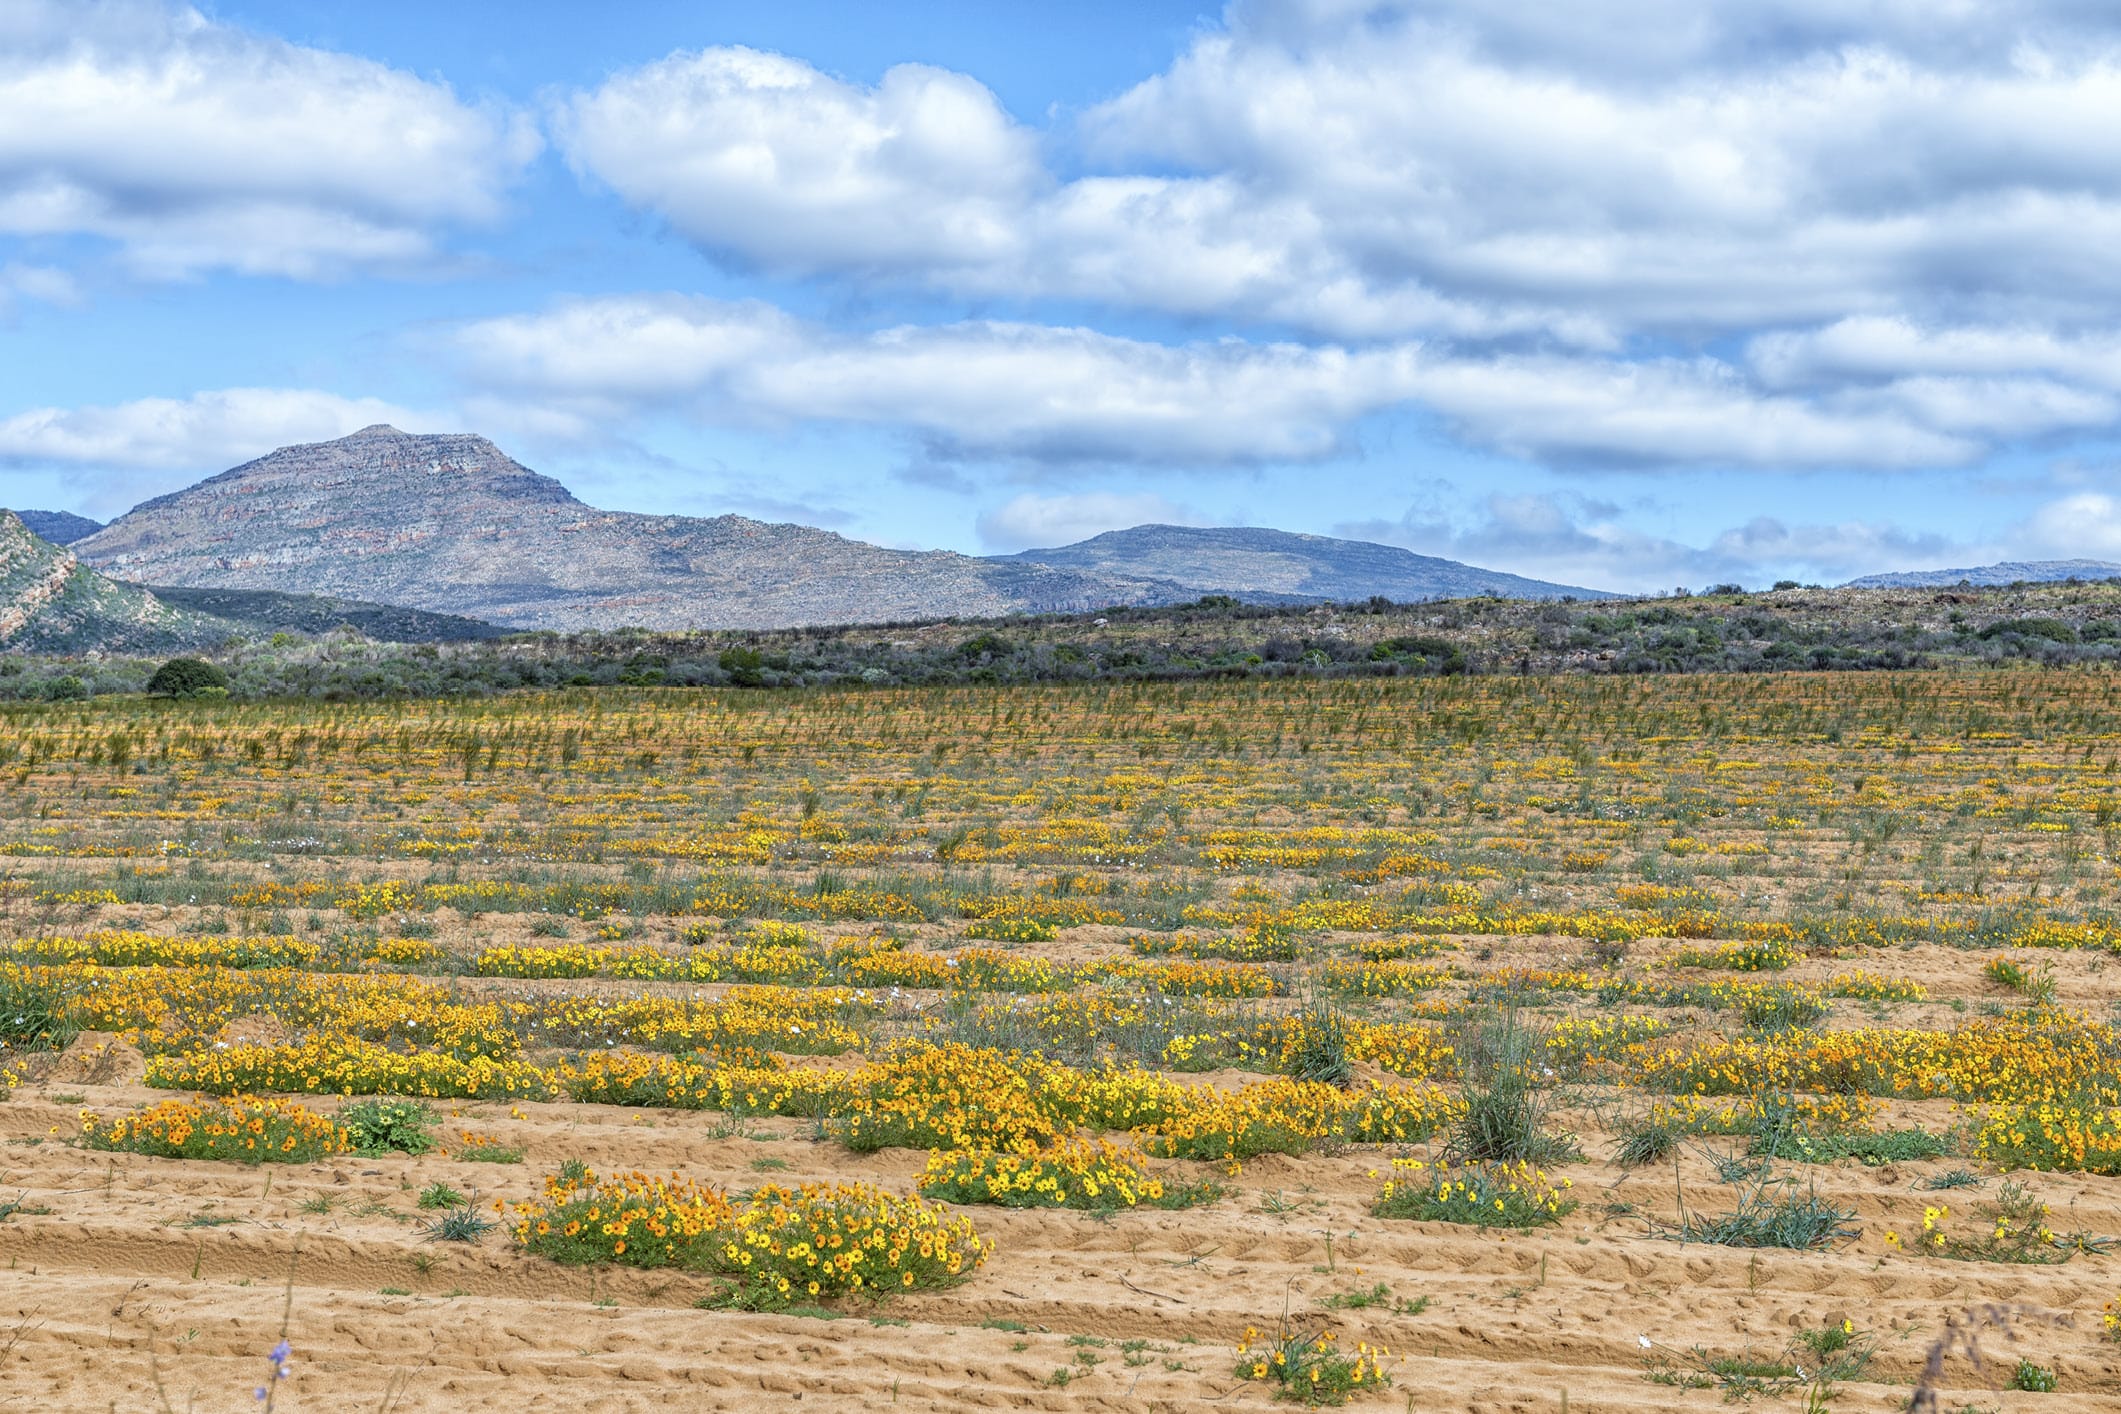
(774, 1247)
(1294, 1116)
(1097, 1175)
(242, 1128)
(1309, 1367)
(1515, 1195)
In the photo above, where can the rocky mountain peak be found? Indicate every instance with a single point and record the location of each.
(378, 475)
(449, 523)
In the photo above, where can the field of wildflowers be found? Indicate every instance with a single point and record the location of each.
(1102, 1027)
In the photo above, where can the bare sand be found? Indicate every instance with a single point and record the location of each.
(156, 1283)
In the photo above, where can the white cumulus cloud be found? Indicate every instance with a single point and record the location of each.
(768, 159)
(1031, 521)
(1576, 540)
(2083, 526)
(1061, 394)
(207, 431)
(1529, 220)
(1452, 169)
(969, 389)
(194, 145)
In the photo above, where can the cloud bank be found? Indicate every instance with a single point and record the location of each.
(194, 146)
(1378, 170)
(1059, 395)
(216, 429)
(1782, 236)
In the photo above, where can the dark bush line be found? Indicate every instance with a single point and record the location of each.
(1217, 637)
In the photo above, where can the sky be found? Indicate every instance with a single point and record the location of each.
(1630, 294)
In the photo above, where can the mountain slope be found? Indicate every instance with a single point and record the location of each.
(2008, 572)
(452, 525)
(52, 603)
(1241, 561)
(267, 611)
(59, 527)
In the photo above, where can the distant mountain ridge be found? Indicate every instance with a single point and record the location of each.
(271, 611)
(1250, 560)
(59, 527)
(450, 524)
(2007, 572)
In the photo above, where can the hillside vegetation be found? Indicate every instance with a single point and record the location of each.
(1798, 630)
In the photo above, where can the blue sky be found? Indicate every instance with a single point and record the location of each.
(1622, 294)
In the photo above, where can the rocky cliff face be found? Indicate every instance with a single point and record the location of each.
(52, 603)
(453, 525)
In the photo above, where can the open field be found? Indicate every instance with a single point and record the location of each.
(1769, 1022)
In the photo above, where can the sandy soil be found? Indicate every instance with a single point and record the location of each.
(153, 1282)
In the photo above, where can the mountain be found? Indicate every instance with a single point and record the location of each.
(2009, 572)
(1249, 562)
(59, 527)
(266, 611)
(52, 603)
(451, 525)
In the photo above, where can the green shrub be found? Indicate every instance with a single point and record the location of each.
(1796, 1222)
(187, 677)
(1483, 1195)
(1309, 1367)
(464, 1223)
(1437, 653)
(1871, 1150)
(745, 666)
(440, 1195)
(2034, 1379)
(2054, 630)
(33, 1013)
(1505, 1118)
(1321, 1050)
(1648, 1142)
(386, 1126)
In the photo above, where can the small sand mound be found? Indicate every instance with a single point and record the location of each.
(258, 1029)
(1370, 1073)
(98, 1058)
